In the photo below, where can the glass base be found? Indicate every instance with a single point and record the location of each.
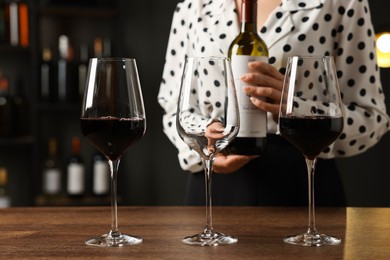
(209, 239)
(114, 241)
(312, 239)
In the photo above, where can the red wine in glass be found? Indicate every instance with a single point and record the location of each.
(112, 135)
(311, 135)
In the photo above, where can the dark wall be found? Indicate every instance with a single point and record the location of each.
(151, 171)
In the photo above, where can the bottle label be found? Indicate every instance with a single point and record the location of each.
(45, 74)
(62, 74)
(52, 181)
(76, 179)
(253, 121)
(5, 202)
(101, 178)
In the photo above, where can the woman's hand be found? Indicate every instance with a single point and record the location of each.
(223, 162)
(214, 132)
(265, 89)
(265, 86)
(228, 163)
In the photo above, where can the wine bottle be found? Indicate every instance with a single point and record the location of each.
(82, 69)
(247, 47)
(49, 91)
(5, 199)
(52, 170)
(19, 109)
(107, 47)
(67, 72)
(6, 115)
(76, 171)
(98, 47)
(23, 24)
(63, 45)
(2, 23)
(12, 18)
(101, 176)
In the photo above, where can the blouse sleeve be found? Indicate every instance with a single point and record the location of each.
(365, 119)
(177, 50)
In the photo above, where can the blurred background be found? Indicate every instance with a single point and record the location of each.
(40, 138)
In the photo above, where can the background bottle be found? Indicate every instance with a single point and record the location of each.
(52, 171)
(49, 91)
(23, 23)
(76, 171)
(5, 199)
(67, 72)
(107, 47)
(6, 115)
(2, 23)
(98, 47)
(82, 68)
(100, 175)
(19, 109)
(12, 22)
(247, 47)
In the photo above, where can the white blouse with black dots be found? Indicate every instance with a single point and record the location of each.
(342, 29)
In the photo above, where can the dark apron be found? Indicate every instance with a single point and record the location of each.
(277, 178)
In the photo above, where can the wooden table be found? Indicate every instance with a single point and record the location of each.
(59, 232)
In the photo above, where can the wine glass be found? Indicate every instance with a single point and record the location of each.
(113, 119)
(207, 120)
(311, 118)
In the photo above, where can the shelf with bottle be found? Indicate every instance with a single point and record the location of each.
(5, 198)
(14, 126)
(74, 181)
(10, 50)
(45, 108)
(63, 200)
(75, 11)
(63, 79)
(68, 33)
(17, 140)
(88, 8)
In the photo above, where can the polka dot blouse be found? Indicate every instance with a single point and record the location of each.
(341, 29)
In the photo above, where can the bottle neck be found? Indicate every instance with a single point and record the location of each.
(249, 16)
(75, 146)
(3, 179)
(52, 147)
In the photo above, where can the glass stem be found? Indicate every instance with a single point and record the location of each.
(114, 205)
(209, 215)
(310, 171)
